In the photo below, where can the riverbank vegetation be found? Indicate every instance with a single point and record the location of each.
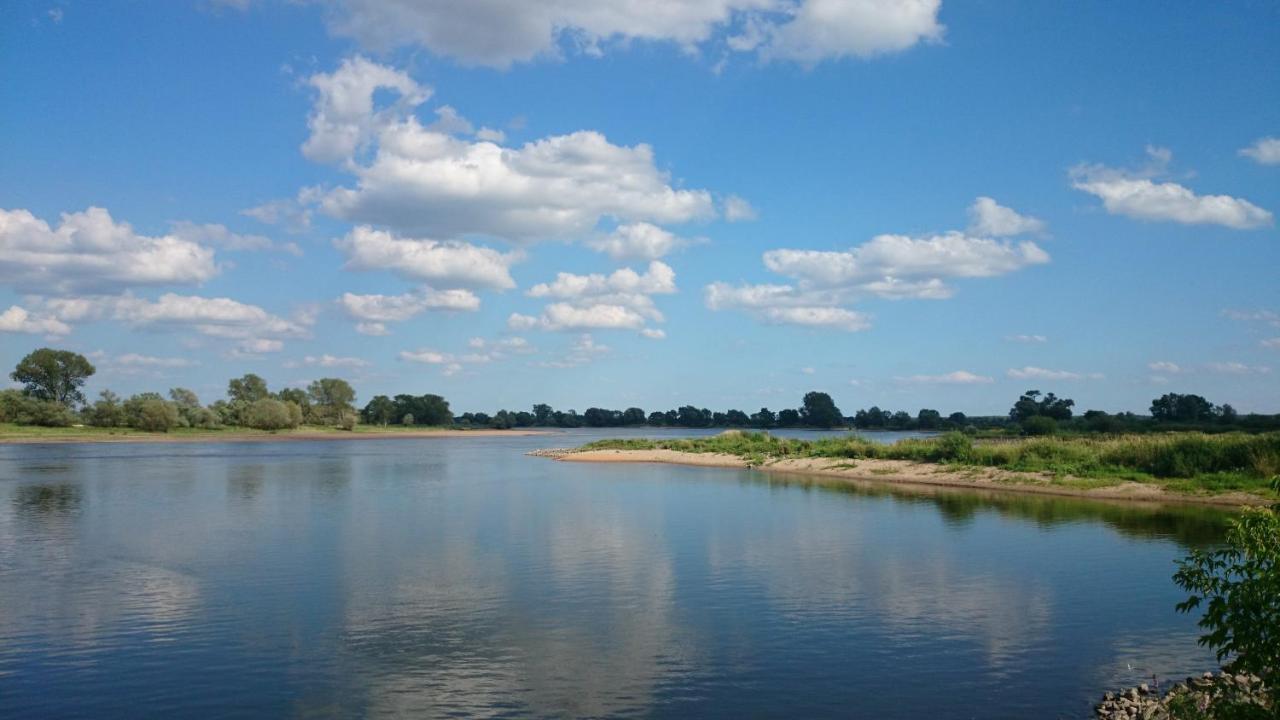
(1189, 462)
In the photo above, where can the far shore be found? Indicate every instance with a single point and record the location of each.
(88, 435)
(905, 472)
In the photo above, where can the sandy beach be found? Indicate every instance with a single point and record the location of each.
(903, 472)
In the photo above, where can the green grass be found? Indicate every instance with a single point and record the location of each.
(10, 431)
(1183, 462)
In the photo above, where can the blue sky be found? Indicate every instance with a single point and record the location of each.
(720, 202)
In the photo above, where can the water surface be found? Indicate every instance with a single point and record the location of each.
(457, 577)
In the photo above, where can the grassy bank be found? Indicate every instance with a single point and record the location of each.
(10, 432)
(1185, 462)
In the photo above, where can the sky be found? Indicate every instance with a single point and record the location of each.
(725, 203)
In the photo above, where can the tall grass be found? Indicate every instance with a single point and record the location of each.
(1222, 461)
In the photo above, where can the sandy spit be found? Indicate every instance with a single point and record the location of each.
(304, 435)
(904, 472)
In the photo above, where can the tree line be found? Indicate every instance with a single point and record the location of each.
(53, 380)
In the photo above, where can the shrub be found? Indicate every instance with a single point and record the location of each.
(407, 419)
(151, 413)
(268, 414)
(1240, 588)
(1039, 425)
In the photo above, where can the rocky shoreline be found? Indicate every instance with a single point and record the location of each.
(1187, 699)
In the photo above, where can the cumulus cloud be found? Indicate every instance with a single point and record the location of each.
(583, 350)
(958, 377)
(1237, 368)
(989, 218)
(253, 329)
(90, 252)
(622, 300)
(1266, 151)
(637, 241)
(503, 32)
(1027, 338)
(887, 266)
(1164, 366)
(1138, 195)
(480, 351)
(373, 311)
(219, 236)
(334, 361)
(445, 262)
(785, 305)
(439, 181)
(18, 320)
(152, 361)
(737, 209)
(1038, 373)
(832, 29)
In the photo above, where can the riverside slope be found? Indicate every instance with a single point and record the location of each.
(905, 472)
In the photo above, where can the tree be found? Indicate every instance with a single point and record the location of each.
(788, 418)
(633, 416)
(542, 414)
(928, 419)
(818, 410)
(54, 375)
(958, 419)
(331, 399)
(247, 389)
(425, 409)
(1173, 407)
(298, 397)
(737, 418)
(106, 412)
(270, 414)
(1240, 588)
(380, 411)
(151, 412)
(1031, 404)
(764, 419)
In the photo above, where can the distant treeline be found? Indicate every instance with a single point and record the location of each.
(52, 382)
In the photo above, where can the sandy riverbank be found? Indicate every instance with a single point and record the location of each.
(250, 436)
(903, 472)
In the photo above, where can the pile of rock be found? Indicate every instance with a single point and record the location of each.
(550, 452)
(1184, 699)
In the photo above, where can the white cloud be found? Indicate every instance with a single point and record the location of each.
(889, 261)
(480, 352)
(429, 180)
(521, 322)
(583, 350)
(91, 252)
(151, 361)
(1266, 151)
(807, 370)
(785, 305)
(654, 333)
(374, 329)
(344, 119)
(958, 377)
(1269, 317)
(1027, 338)
(214, 235)
(1137, 195)
(1237, 368)
(737, 209)
(620, 301)
(1037, 373)
(987, 218)
(255, 329)
(17, 320)
(502, 32)
(833, 29)
(637, 241)
(1164, 366)
(1271, 342)
(887, 266)
(446, 262)
(374, 311)
(334, 361)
